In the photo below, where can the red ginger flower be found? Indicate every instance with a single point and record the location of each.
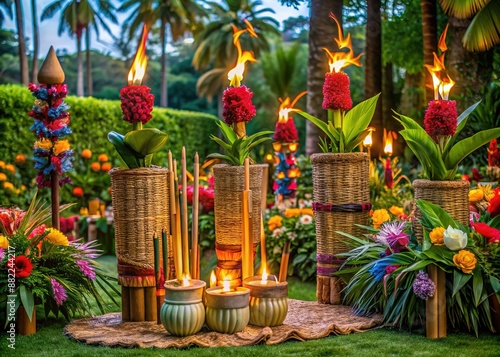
(137, 104)
(389, 178)
(490, 233)
(336, 93)
(441, 118)
(237, 105)
(23, 267)
(494, 205)
(493, 153)
(286, 131)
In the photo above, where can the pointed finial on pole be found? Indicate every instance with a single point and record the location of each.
(51, 71)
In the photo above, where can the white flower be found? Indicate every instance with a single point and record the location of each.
(306, 219)
(291, 235)
(277, 232)
(455, 239)
(277, 250)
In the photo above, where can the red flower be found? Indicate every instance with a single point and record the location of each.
(336, 93)
(237, 105)
(23, 266)
(391, 268)
(389, 178)
(494, 206)
(476, 176)
(37, 231)
(78, 192)
(207, 199)
(137, 104)
(490, 233)
(441, 118)
(493, 153)
(286, 131)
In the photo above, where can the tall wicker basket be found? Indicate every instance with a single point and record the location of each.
(229, 183)
(452, 196)
(341, 195)
(141, 209)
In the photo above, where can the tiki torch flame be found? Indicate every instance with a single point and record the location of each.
(441, 81)
(235, 75)
(138, 68)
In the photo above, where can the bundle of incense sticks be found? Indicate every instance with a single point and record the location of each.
(247, 268)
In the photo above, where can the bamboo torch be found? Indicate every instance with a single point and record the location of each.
(195, 249)
(173, 214)
(284, 262)
(178, 233)
(263, 253)
(247, 241)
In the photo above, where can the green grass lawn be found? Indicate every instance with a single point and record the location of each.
(50, 341)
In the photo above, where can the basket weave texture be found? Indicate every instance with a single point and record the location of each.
(339, 178)
(229, 184)
(452, 196)
(141, 209)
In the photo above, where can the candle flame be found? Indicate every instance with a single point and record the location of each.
(368, 142)
(286, 107)
(264, 276)
(441, 81)
(226, 284)
(185, 280)
(138, 68)
(235, 75)
(389, 137)
(213, 279)
(339, 60)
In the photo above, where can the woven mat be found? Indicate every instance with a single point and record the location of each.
(306, 320)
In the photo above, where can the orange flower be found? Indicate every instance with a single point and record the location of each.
(11, 168)
(292, 212)
(20, 159)
(103, 158)
(86, 153)
(8, 185)
(78, 192)
(106, 167)
(437, 236)
(3, 177)
(380, 216)
(95, 166)
(307, 211)
(2, 164)
(465, 261)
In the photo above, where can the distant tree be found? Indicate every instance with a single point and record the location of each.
(23, 57)
(5, 10)
(296, 28)
(36, 42)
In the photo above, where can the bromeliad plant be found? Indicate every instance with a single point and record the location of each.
(387, 272)
(346, 129)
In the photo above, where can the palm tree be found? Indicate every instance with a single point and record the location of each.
(214, 44)
(23, 58)
(429, 31)
(5, 6)
(36, 42)
(181, 16)
(321, 34)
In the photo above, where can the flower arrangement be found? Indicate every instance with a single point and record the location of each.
(435, 145)
(346, 128)
(238, 109)
(49, 270)
(137, 147)
(386, 272)
(296, 225)
(51, 119)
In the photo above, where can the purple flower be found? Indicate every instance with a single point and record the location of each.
(87, 249)
(423, 286)
(86, 268)
(2, 255)
(391, 268)
(392, 235)
(59, 293)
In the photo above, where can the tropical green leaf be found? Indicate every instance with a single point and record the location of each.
(477, 284)
(434, 216)
(459, 280)
(350, 146)
(227, 131)
(321, 125)
(461, 121)
(462, 9)
(358, 118)
(226, 158)
(222, 143)
(126, 154)
(466, 146)
(407, 122)
(27, 300)
(146, 141)
(483, 32)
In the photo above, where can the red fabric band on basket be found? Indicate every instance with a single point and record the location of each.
(346, 207)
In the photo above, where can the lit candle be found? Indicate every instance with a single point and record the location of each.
(213, 279)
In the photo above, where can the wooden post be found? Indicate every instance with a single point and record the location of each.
(137, 304)
(435, 307)
(24, 325)
(150, 310)
(284, 262)
(54, 196)
(125, 303)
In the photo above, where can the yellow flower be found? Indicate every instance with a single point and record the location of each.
(307, 211)
(4, 242)
(292, 212)
(2, 164)
(274, 222)
(380, 216)
(465, 261)
(44, 144)
(476, 195)
(437, 236)
(488, 191)
(56, 237)
(397, 211)
(8, 185)
(61, 146)
(3, 177)
(11, 168)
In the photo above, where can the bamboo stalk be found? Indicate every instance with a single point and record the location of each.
(125, 303)
(185, 217)
(247, 241)
(173, 212)
(195, 262)
(156, 250)
(164, 248)
(431, 306)
(178, 234)
(284, 263)
(263, 252)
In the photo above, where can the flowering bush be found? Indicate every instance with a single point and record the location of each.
(49, 270)
(388, 267)
(13, 191)
(297, 226)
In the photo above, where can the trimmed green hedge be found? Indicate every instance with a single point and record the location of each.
(92, 119)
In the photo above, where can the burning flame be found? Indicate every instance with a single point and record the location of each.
(441, 81)
(264, 276)
(368, 142)
(286, 107)
(226, 284)
(185, 280)
(138, 68)
(235, 75)
(339, 60)
(213, 279)
(389, 137)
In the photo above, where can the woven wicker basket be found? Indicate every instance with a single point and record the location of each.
(452, 196)
(141, 209)
(229, 183)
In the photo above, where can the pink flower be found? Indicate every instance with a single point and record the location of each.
(86, 268)
(207, 199)
(59, 292)
(2, 255)
(336, 93)
(237, 105)
(441, 118)
(391, 268)
(37, 231)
